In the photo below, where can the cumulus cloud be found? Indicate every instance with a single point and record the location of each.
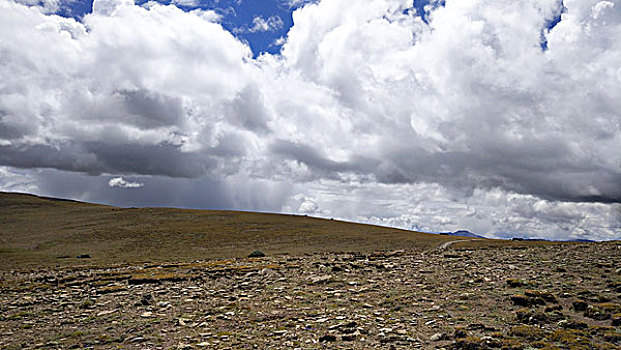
(122, 183)
(300, 203)
(465, 99)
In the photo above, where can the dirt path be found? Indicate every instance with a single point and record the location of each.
(446, 245)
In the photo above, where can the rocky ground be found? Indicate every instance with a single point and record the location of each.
(565, 296)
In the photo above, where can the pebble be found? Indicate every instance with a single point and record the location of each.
(107, 312)
(436, 337)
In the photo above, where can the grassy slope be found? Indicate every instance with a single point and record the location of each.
(36, 231)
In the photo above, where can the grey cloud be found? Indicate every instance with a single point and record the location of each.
(97, 157)
(152, 110)
(308, 155)
(11, 129)
(541, 168)
(159, 191)
(162, 159)
(320, 163)
(248, 110)
(532, 170)
(66, 157)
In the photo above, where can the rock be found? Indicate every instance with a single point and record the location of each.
(541, 294)
(320, 279)
(395, 253)
(436, 337)
(146, 314)
(553, 308)
(350, 337)
(460, 333)
(83, 256)
(471, 343)
(147, 299)
(475, 326)
(327, 338)
(336, 268)
(596, 313)
(107, 312)
(520, 300)
(580, 305)
(528, 316)
(514, 283)
(256, 254)
(568, 324)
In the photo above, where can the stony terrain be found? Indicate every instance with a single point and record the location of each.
(560, 296)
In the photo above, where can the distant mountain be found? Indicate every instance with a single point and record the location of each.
(461, 233)
(582, 240)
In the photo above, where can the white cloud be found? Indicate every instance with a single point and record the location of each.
(259, 24)
(12, 180)
(187, 3)
(302, 204)
(122, 183)
(467, 107)
(45, 6)
(298, 3)
(433, 208)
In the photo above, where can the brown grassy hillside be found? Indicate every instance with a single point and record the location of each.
(42, 231)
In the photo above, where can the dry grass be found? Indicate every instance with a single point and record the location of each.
(38, 231)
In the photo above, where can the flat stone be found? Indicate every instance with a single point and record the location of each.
(436, 337)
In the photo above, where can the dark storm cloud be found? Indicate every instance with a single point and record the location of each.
(98, 157)
(547, 173)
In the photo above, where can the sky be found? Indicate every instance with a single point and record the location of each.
(502, 118)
